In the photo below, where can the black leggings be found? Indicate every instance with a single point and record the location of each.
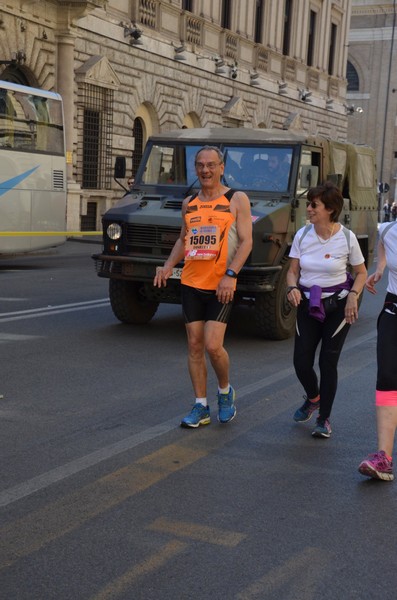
(310, 332)
(387, 347)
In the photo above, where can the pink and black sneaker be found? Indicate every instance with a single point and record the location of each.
(322, 428)
(377, 466)
(305, 412)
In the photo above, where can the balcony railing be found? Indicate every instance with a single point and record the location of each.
(193, 29)
(231, 46)
(148, 13)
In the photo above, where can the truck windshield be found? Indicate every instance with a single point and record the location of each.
(264, 168)
(255, 168)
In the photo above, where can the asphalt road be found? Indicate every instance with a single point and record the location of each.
(104, 496)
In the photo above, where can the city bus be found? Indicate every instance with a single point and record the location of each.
(32, 169)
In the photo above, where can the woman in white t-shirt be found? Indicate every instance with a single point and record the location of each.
(326, 297)
(380, 464)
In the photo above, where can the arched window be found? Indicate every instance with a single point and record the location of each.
(353, 81)
(138, 145)
(311, 38)
(259, 22)
(226, 15)
(332, 48)
(287, 27)
(20, 75)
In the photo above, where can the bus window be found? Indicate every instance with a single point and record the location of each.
(32, 169)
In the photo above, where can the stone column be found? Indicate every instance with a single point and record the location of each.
(340, 65)
(65, 87)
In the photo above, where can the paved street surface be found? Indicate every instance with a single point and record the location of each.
(104, 497)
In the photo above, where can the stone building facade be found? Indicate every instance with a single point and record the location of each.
(129, 68)
(372, 85)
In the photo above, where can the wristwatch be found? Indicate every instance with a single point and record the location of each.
(291, 287)
(231, 273)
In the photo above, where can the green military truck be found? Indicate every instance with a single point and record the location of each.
(141, 229)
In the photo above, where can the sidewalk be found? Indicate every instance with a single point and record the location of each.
(86, 239)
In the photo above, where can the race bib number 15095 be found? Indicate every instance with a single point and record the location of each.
(202, 243)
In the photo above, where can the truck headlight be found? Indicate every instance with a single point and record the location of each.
(114, 231)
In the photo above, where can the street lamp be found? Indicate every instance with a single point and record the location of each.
(351, 109)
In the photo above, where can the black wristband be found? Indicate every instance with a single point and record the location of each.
(292, 287)
(231, 273)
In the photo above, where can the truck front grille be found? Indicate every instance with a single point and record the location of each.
(158, 238)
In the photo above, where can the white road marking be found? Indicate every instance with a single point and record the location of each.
(46, 311)
(14, 337)
(44, 480)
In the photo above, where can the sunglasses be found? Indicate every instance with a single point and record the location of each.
(311, 203)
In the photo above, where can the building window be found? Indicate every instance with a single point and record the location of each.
(14, 74)
(226, 14)
(138, 145)
(332, 49)
(97, 137)
(91, 131)
(353, 82)
(287, 27)
(88, 221)
(312, 38)
(187, 5)
(258, 21)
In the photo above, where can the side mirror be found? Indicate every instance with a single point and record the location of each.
(309, 176)
(120, 167)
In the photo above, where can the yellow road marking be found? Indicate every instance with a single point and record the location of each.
(150, 564)
(47, 233)
(210, 535)
(32, 532)
(300, 570)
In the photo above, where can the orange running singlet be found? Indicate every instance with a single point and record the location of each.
(210, 243)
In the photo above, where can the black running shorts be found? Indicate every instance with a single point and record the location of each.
(203, 305)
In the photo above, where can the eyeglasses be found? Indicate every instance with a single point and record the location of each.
(311, 203)
(211, 166)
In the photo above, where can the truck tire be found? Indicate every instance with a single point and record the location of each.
(274, 316)
(129, 304)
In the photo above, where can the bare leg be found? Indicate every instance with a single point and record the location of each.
(196, 358)
(214, 335)
(386, 423)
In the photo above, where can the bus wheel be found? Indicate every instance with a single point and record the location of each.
(274, 316)
(129, 303)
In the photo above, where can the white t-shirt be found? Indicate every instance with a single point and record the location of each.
(390, 244)
(325, 264)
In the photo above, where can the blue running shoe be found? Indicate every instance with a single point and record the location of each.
(322, 428)
(226, 407)
(305, 412)
(199, 415)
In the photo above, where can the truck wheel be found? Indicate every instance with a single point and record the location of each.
(274, 315)
(128, 302)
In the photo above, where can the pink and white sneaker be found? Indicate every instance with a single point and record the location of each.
(377, 466)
